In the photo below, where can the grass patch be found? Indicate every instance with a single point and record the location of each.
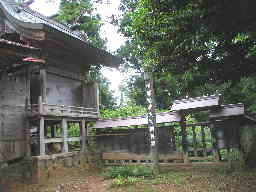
(189, 179)
(127, 171)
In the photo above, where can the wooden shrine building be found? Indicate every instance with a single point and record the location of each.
(43, 85)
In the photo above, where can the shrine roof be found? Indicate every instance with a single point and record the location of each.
(33, 25)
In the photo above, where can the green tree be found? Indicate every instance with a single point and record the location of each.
(107, 99)
(80, 16)
(206, 47)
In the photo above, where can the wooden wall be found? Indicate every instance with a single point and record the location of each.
(12, 113)
(63, 91)
(228, 133)
(133, 141)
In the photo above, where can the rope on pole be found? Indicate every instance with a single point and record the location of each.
(152, 121)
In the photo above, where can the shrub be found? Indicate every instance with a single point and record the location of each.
(121, 181)
(128, 171)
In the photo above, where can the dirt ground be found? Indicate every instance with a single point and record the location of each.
(171, 179)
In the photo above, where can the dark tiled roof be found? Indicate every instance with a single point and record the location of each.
(26, 15)
(26, 19)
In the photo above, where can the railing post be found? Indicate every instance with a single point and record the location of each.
(64, 126)
(214, 143)
(84, 135)
(41, 137)
(194, 141)
(53, 131)
(203, 141)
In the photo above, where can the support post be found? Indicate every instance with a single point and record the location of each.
(64, 126)
(84, 135)
(173, 137)
(27, 106)
(41, 137)
(152, 122)
(214, 143)
(194, 141)
(203, 141)
(53, 131)
(184, 138)
(40, 105)
(43, 84)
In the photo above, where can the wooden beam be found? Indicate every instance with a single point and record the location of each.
(227, 111)
(71, 139)
(197, 103)
(54, 140)
(164, 117)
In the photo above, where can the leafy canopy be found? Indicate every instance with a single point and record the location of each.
(198, 47)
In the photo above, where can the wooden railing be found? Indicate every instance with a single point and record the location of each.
(61, 110)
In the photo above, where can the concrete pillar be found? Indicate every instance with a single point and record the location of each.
(41, 137)
(64, 126)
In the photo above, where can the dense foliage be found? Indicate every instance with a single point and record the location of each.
(107, 99)
(200, 47)
(124, 111)
(81, 17)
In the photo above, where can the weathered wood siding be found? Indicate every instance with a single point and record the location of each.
(133, 141)
(91, 95)
(228, 133)
(35, 90)
(12, 112)
(197, 103)
(63, 91)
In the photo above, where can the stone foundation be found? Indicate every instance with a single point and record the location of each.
(41, 168)
(49, 166)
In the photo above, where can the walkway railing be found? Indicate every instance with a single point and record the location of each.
(62, 110)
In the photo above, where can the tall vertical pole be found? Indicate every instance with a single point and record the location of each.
(152, 121)
(184, 138)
